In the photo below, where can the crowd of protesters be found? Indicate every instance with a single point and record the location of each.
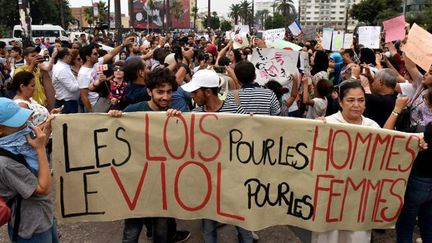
(186, 72)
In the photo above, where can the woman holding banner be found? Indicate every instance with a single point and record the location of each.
(352, 101)
(418, 195)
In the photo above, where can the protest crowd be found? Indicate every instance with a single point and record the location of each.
(377, 86)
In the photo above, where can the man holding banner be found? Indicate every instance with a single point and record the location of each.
(204, 91)
(160, 85)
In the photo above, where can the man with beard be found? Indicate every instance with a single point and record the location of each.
(160, 85)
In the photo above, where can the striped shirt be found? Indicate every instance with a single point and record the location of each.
(228, 106)
(257, 100)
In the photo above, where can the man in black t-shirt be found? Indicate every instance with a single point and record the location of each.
(380, 104)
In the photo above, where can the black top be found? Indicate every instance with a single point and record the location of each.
(422, 164)
(379, 107)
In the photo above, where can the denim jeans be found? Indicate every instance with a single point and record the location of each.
(49, 236)
(70, 106)
(163, 229)
(210, 232)
(418, 203)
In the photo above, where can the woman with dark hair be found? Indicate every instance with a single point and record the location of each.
(320, 64)
(352, 101)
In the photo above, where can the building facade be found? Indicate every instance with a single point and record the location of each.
(415, 6)
(326, 13)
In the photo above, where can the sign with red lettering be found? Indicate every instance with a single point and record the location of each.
(252, 171)
(274, 64)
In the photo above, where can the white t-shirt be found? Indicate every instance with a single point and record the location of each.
(318, 109)
(89, 75)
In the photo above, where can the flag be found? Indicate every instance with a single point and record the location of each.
(295, 28)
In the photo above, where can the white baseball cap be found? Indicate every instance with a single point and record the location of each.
(202, 79)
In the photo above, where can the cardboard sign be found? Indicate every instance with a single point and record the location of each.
(226, 167)
(327, 39)
(241, 28)
(348, 41)
(419, 47)
(240, 40)
(337, 40)
(394, 29)
(274, 35)
(370, 36)
(274, 64)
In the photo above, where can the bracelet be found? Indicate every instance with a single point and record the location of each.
(395, 113)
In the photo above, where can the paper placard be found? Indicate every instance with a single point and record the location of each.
(226, 167)
(240, 40)
(274, 64)
(348, 41)
(419, 47)
(337, 40)
(327, 39)
(370, 36)
(394, 29)
(274, 35)
(241, 28)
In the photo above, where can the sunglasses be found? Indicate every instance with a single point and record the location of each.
(117, 69)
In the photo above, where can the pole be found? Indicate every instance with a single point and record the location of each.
(346, 15)
(109, 15)
(117, 13)
(131, 14)
(26, 24)
(253, 15)
(60, 3)
(208, 14)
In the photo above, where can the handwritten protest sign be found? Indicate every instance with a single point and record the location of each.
(348, 40)
(241, 28)
(229, 35)
(240, 40)
(283, 44)
(394, 29)
(274, 64)
(337, 40)
(419, 47)
(274, 35)
(327, 39)
(369, 36)
(228, 168)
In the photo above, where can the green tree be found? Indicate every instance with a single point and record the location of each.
(246, 11)
(422, 18)
(373, 12)
(226, 26)
(42, 12)
(194, 13)
(176, 9)
(274, 22)
(235, 12)
(214, 21)
(103, 16)
(287, 9)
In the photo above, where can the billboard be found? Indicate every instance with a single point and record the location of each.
(148, 17)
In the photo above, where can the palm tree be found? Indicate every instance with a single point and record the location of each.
(265, 13)
(208, 13)
(274, 6)
(287, 9)
(260, 16)
(176, 10)
(91, 19)
(194, 13)
(245, 11)
(235, 12)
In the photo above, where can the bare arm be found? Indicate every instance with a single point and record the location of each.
(400, 104)
(44, 176)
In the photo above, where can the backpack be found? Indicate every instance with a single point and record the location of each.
(5, 206)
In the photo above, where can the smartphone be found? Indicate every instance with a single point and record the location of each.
(46, 58)
(259, 35)
(32, 133)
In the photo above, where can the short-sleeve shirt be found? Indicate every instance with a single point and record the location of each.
(318, 109)
(86, 76)
(228, 106)
(257, 100)
(36, 211)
